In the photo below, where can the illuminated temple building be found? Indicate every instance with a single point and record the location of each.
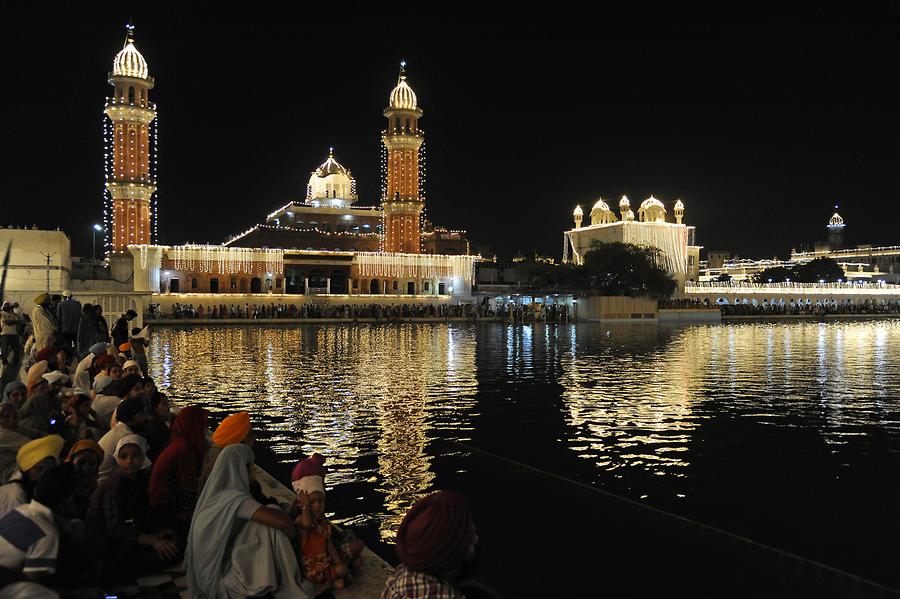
(327, 243)
(674, 240)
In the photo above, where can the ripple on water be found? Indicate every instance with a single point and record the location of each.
(633, 400)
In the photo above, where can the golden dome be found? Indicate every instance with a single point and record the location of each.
(578, 211)
(402, 96)
(129, 62)
(679, 205)
(836, 220)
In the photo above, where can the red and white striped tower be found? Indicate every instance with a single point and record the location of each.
(402, 202)
(131, 151)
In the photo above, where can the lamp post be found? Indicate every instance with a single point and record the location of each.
(94, 230)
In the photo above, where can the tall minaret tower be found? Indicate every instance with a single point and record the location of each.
(130, 142)
(401, 200)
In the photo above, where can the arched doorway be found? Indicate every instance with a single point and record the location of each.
(374, 287)
(255, 285)
(338, 282)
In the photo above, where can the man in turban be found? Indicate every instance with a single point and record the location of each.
(435, 543)
(29, 538)
(33, 459)
(43, 321)
(233, 429)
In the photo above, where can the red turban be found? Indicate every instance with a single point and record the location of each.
(309, 474)
(436, 534)
(102, 361)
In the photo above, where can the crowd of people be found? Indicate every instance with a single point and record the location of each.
(103, 481)
(810, 308)
(519, 313)
(315, 310)
(790, 307)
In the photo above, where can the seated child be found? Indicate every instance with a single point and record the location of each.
(324, 554)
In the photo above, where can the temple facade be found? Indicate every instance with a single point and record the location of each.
(325, 243)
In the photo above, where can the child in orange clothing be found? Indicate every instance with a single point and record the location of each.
(324, 555)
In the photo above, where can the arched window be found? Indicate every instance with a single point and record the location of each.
(131, 95)
(340, 229)
(397, 126)
(193, 283)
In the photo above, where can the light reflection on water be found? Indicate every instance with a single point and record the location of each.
(367, 398)
(630, 401)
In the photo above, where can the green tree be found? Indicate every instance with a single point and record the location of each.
(626, 269)
(821, 269)
(776, 274)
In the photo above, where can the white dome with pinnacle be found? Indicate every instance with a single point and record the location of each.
(402, 96)
(129, 62)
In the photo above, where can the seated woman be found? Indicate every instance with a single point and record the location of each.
(86, 456)
(105, 403)
(176, 472)
(12, 438)
(236, 546)
(118, 525)
(157, 427)
(81, 422)
(15, 393)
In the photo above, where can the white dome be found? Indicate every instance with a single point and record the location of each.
(578, 211)
(652, 211)
(402, 96)
(651, 201)
(331, 182)
(129, 62)
(836, 220)
(601, 205)
(624, 202)
(679, 205)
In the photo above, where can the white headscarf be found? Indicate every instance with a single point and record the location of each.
(226, 489)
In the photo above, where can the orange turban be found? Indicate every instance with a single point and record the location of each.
(125, 347)
(233, 429)
(36, 374)
(85, 445)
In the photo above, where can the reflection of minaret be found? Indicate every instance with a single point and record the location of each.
(401, 201)
(130, 151)
(836, 231)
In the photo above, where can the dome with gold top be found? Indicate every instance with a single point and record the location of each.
(331, 184)
(129, 62)
(402, 96)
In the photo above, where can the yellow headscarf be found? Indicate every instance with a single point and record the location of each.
(33, 452)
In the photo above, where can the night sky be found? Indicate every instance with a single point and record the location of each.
(760, 123)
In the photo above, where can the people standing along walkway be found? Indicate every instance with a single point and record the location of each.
(44, 322)
(68, 315)
(10, 343)
(120, 332)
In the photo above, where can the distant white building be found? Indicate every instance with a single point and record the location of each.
(674, 240)
(39, 263)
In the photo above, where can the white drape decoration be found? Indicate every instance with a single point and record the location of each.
(415, 266)
(670, 239)
(227, 260)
